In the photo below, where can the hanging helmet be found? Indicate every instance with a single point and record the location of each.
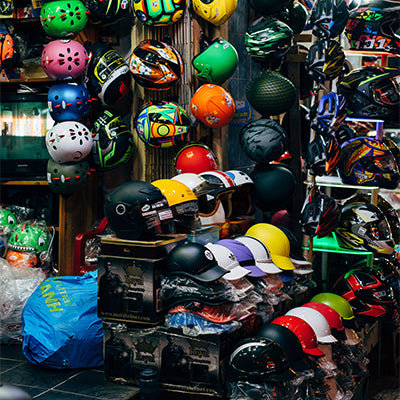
(64, 59)
(298, 17)
(345, 133)
(328, 18)
(6, 8)
(21, 259)
(106, 12)
(374, 28)
(7, 221)
(195, 158)
(367, 294)
(217, 62)
(263, 140)
(213, 105)
(371, 92)
(194, 261)
(243, 198)
(215, 11)
(61, 18)
(382, 266)
(67, 178)
(182, 202)
(366, 161)
(394, 149)
(107, 75)
(138, 210)
(112, 140)
(162, 124)
(197, 183)
(9, 51)
(268, 39)
(269, 7)
(271, 94)
(338, 303)
(156, 65)
(391, 216)
(325, 60)
(68, 101)
(363, 226)
(159, 12)
(259, 360)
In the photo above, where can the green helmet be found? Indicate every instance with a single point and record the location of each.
(338, 303)
(7, 221)
(62, 18)
(217, 62)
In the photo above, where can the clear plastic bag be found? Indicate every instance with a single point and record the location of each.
(241, 390)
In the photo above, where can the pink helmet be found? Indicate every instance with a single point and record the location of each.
(64, 59)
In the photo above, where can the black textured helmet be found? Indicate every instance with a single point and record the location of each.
(325, 60)
(138, 210)
(259, 360)
(345, 133)
(322, 155)
(269, 7)
(263, 140)
(106, 11)
(194, 261)
(371, 92)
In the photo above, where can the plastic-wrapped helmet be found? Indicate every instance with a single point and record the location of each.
(366, 161)
(7, 221)
(68, 101)
(64, 59)
(138, 210)
(382, 266)
(243, 199)
(263, 140)
(162, 124)
(328, 18)
(195, 158)
(61, 18)
(322, 154)
(374, 28)
(217, 62)
(259, 360)
(338, 303)
(106, 12)
(21, 259)
(213, 105)
(367, 294)
(268, 39)
(325, 60)
(159, 12)
(156, 65)
(371, 92)
(67, 178)
(215, 11)
(197, 183)
(112, 140)
(363, 226)
(269, 7)
(344, 134)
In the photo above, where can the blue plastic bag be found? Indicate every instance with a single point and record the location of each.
(60, 328)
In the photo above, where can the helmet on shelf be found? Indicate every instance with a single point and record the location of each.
(382, 266)
(160, 12)
(391, 216)
(394, 149)
(195, 158)
(338, 303)
(344, 133)
(215, 11)
(197, 183)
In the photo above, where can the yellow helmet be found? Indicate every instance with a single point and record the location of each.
(215, 11)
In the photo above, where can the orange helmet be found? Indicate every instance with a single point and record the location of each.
(212, 105)
(21, 258)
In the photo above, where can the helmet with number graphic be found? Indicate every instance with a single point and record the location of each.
(107, 11)
(195, 158)
(338, 303)
(68, 101)
(156, 65)
(64, 59)
(7, 221)
(197, 183)
(138, 210)
(162, 124)
(62, 18)
(213, 105)
(69, 141)
(159, 12)
(243, 199)
(215, 11)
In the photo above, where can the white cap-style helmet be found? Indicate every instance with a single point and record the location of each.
(196, 183)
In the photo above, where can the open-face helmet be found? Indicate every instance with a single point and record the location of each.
(159, 12)
(338, 303)
(243, 198)
(215, 11)
(195, 182)
(195, 158)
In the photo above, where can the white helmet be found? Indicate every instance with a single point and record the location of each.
(196, 183)
(239, 177)
(216, 216)
(69, 141)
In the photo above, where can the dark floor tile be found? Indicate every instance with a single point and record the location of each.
(12, 351)
(32, 391)
(59, 395)
(6, 364)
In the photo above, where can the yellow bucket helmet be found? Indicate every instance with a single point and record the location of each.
(215, 11)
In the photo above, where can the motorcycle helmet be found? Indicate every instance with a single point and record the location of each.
(243, 198)
(269, 7)
(217, 62)
(112, 140)
(62, 19)
(344, 134)
(322, 154)
(259, 360)
(162, 124)
(64, 59)
(68, 101)
(69, 141)
(363, 226)
(107, 12)
(374, 28)
(338, 303)
(195, 158)
(371, 92)
(367, 294)
(263, 140)
(138, 210)
(197, 183)
(156, 65)
(213, 105)
(391, 216)
(366, 161)
(159, 12)
(271, 94)
(8, 221)
(195, 261)
(382, 266)
(394, 149)
(298, 17)
(215, 11)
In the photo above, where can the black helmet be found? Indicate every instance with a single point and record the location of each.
(391, 216)
(263, 140)
(194, 261)
(345, 133)
(394, 149)
(298, 16)
(106, 11)
(322, 154)
(138, 210)
(382, 266)
(259, 360)
(269, 7)
(371, 92)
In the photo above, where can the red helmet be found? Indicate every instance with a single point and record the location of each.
(195, 158)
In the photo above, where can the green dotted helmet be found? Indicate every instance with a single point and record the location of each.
(338, 303)
(217, 62)
(63, 18)
(159, 12)
(7, 221)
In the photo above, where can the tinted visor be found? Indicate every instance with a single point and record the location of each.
(386, 93)
(383, 164)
